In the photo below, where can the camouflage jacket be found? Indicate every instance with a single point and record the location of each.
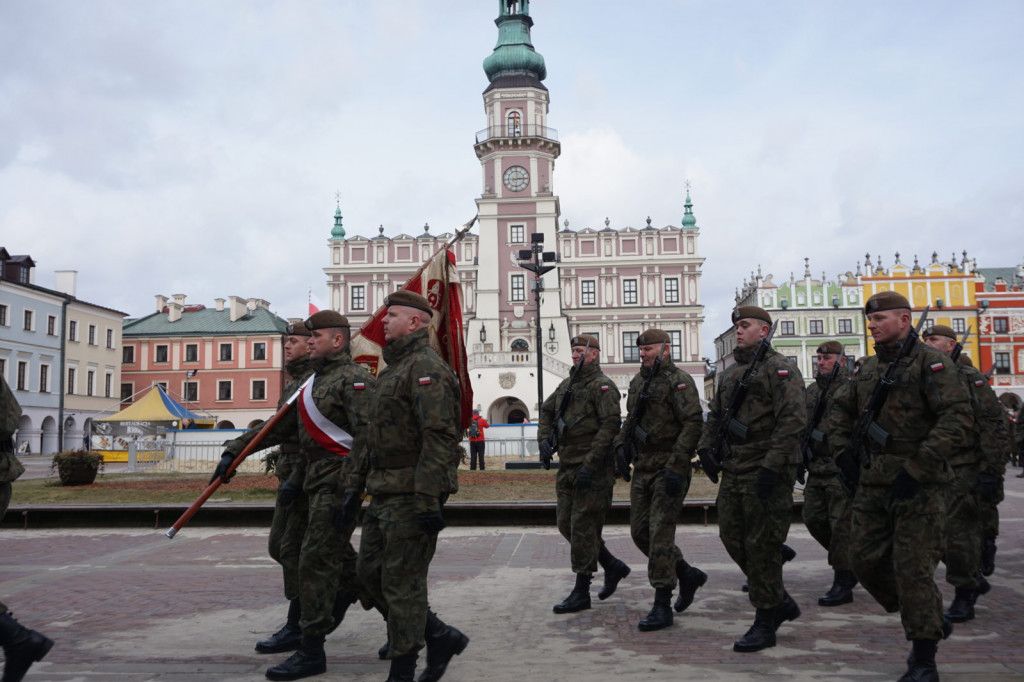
(773, 412)
(415, 424)
(10, 416)
(927, 415)
(990, 433)
(672, 420)
(822, 464)
(592, 419)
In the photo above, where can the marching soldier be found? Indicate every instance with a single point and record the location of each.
(755, 499)
(659, 438)
(900, 470)
(581, 419)
(826, 510)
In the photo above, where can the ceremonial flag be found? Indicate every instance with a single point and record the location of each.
(315, 304)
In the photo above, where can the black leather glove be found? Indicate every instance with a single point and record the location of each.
(286, 493)
(673, 483)
(584, 478)
(849, 472)
(708, 465)
(546, 453)
(350, 505)
(221, 471)
(989, 487)
(801, 474)
(766, 482)
(905, 486)
(622, 463)
(431, 522)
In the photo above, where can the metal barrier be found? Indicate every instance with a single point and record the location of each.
(190, 457)
(498, 451)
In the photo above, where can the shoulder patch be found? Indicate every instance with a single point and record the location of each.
(680, 387)
(783, 372)
(605, 387)
(979, 382)
(424, 381)
(359, 385)
(936, 366)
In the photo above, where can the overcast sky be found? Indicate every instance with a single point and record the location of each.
(187, 146)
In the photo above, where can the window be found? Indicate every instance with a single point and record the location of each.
(814, 365)
(588, 294)
(630, 351)
(787, 328)
(817, 326)
(127, 391)
(22, 376)
(629, 291)
(191, 352)
(259, 350)
(1000, 325)
(161, 353)
(517, 234)
(520, 344)
(71, 381)
(108, 385)
(845, 326)
(3, 368)
(223, 390)
(51, 325)
(110, 338)
(128, 355)
(1003, 363)
(515, 124)
(162, 384)
(676, 341)
(792, 358)
(3, 316)
(358, 297)
(259, 389)
(191, 391)
(225, 352)
(90, 382)
(72, 330)
(671, 290)
(92, 335)
(28, 320)
(959, 325)
(518, 288)
(44, 378)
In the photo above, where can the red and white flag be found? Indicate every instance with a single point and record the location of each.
(326, 433)
(315, 304)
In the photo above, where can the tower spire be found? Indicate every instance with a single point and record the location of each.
(514, 54)
(337, 232)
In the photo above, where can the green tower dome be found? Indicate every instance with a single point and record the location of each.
(689, 220)
(514, 54)
(337, 232)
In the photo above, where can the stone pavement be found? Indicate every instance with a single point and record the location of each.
(133, 605)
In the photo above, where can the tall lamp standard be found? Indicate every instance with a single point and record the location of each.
(533, 260)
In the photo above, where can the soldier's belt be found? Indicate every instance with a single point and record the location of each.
(752, 437)
(315, 454)
(379, 461)
(574, 441)
(899, 448)
(290, 449)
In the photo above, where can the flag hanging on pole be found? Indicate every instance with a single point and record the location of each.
(437, 281)
(315, 304)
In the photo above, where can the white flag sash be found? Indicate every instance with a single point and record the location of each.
(326, 433)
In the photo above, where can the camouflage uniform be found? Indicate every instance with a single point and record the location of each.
(897, 542)
(826, 510)
(592, 420)
(10, 467)
(775, 415)
(413, 439)
(672, 422)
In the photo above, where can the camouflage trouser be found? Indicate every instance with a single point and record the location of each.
(963, 528)
(988, 514)
(753, 532)
(580, 514)
(287, 531)
(895, 550)
(394, 556)
(826, 513)
(326, 562)
(652, 523)
(5, 498)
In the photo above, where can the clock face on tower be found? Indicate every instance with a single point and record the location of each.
(516, 178)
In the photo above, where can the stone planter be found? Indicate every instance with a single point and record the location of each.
(76, 467)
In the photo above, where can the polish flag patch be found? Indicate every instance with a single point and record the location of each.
(359, 385)
(605, 387)
(424, 381)
(680, 387)
(936, 366)
(979, 382)
(783, 372)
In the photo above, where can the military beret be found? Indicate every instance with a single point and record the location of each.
(652, 336)
(585, 340)
(965, 360)
(325, 319)
(296, 329)
(409, 299)
(939, 330)
(832, 347)
(751, 311)
(886, 300)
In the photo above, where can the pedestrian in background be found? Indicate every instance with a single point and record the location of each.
(476, 440)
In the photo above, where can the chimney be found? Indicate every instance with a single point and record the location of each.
(179, 299)
(66, 281)
(174, 311)
(263, 303)
(161, 303)
(220, 304)
(237, 309)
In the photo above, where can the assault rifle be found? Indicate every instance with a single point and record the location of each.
(813, 433)
(549, 446)
(959, 347)
(867, 428)
(635, 437)
(727, 422)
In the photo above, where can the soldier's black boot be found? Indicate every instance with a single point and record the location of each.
(614, 571)
(691, 579)
(984, 587)
(22, 647)
(384, 650)
(841, 591)
(787, 610)
(342, 600)
(961, 609)
(921, 662)
(288, 637)
(309, 660)
(761, 634)
(443, 642)
(403, 668)
(988, 557)
(660, 616)
(578, 599)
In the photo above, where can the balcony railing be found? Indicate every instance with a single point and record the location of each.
(510, 132)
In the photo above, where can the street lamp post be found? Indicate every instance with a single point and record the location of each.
(533, 260)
